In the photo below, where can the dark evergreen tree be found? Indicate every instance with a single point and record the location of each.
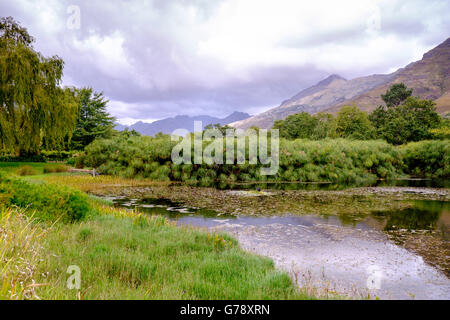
(397, 94)
(93, 119)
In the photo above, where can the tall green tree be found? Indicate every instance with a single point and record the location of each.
(296, 126)
(354, 124)
(411, 121)
(305, 126)
(93, 119)
(33, 107)
(396, 95)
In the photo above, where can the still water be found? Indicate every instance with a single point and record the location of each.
(414, 183)
(334, 254)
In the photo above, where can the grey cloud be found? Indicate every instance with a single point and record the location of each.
(166, 75)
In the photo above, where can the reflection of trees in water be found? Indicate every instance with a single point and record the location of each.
(351, 219)
(286, 186)
(424, 215)
(412, 219)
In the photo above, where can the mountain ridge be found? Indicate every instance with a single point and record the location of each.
(428, 77)
(168, 125)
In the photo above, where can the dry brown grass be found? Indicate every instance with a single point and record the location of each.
(20, 254)
(26, 171)
(92, 184)
(55, 168)
(443, 103)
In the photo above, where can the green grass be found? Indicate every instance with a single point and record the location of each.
(46, 202)
(122, 258)
(122, 254)
(38, 167)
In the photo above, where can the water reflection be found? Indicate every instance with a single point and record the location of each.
(416, 183)
(422, 215)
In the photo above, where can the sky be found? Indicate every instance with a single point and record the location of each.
(158, 59)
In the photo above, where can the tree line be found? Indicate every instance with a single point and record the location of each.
(402, 119)
(36, 112)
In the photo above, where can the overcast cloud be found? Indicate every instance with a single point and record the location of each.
(154, 59)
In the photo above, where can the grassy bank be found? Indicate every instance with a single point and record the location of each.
(32, 168)
(339, 160)
(121, 254)
(152, 259)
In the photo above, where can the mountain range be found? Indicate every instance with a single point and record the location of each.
(168, 125)
(429, 78)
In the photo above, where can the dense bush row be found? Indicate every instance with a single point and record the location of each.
(337, 160)
(44, 156)
(427, 158)
(48, 202)
(13, 158)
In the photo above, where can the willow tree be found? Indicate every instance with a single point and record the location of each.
(34, 108)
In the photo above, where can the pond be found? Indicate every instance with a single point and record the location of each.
(385, 254)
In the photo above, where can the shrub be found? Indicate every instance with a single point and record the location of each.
(71, 161)
(427, 158)
(55, 168)
(334, 160)
(42, 157)
(47, 202)
(13, 158)
(26, 171)
(56, 155)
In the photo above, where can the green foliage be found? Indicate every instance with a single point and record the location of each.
(326, 126)
(427, 158)
(396, 95)
(300, 160)
(93, 120)
(55, 168)
(128, 155)
(43, 156)
(338, 160)
(440, 133)
(403, 119)
(46, 202)
(443, 131)
(26, 171)
(28, 158)
(350, 123)
(411, 121)
(296, 126)
(353, 123)
(57, 155)
(34, 109)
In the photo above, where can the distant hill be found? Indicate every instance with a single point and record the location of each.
(168, 125)
(429, 77)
